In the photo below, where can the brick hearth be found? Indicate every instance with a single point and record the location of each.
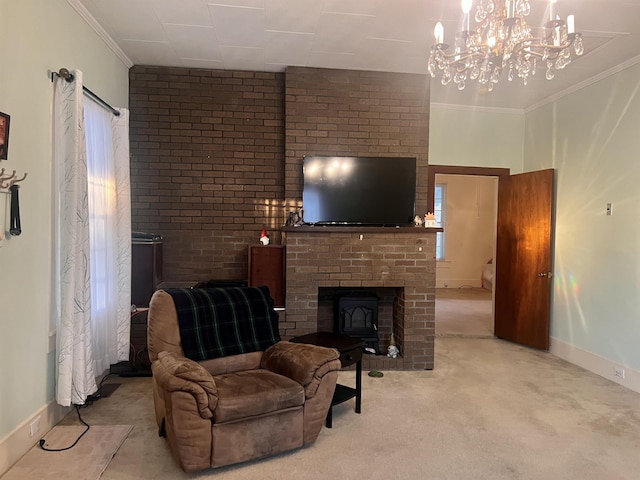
(402, 260)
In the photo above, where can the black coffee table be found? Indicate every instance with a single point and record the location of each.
(350, 350)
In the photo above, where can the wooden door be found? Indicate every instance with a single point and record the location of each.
(524, 258)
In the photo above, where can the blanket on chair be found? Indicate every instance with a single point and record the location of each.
(216, 322)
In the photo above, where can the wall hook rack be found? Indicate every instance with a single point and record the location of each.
(7, 180)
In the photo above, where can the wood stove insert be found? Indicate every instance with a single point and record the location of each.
(357, 316)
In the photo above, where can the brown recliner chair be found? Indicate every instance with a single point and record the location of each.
(226, 388)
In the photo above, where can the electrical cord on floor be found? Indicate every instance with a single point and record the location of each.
(97, 395)
(91, 399)
(42, 440)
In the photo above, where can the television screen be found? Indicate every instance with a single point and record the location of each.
(359, 190)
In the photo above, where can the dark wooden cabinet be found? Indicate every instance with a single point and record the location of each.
(138, 364)
(139, 356)
(267, 267)
(146, 270)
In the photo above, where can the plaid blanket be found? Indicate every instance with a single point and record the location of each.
(216, 322)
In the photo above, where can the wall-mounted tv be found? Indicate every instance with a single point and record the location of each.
(377, 191)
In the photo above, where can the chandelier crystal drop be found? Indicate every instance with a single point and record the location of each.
(495, 37)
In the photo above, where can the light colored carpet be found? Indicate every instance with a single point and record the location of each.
(489, 410)
(86, 461)
(464, 312)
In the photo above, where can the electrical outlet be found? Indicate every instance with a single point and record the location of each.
(618, 372)
(35, 426)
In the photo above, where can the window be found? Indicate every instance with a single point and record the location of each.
(439, 210)
(101, 197)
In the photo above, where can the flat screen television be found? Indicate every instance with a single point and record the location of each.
(379, 191)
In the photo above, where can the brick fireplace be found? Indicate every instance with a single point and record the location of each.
(398, 260)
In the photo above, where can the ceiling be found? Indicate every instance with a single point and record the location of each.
(381, 35)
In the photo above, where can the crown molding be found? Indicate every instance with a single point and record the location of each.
(100, 31)
(585, 83)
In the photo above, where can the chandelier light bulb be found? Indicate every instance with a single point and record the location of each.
(439, 33)
(466, 8)
(551, 3)
(571, 24)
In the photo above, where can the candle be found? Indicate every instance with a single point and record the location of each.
(551, 2)
(439, 33)
(571, 24)
(466, 8)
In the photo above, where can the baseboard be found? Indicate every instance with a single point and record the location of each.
(458, 282)
(19, 441)
(596, 364)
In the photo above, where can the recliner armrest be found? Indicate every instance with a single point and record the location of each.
(304, 363)
(174, 373)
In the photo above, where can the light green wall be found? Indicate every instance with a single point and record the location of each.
(474, 138)
(592, 138)
(37, 36)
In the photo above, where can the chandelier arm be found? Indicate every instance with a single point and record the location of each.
(481, 51)
(554, 50)
(460, 56)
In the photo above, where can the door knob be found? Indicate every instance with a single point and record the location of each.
(545, 274)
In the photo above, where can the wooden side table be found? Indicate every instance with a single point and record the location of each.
(350, 350)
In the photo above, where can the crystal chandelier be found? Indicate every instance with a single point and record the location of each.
(501, 40)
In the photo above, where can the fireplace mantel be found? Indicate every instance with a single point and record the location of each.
(359, 229)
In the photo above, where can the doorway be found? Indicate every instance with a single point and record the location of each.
(465, 300)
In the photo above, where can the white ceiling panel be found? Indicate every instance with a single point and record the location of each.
(139, 23)
(288, 48)
(193, 41)
(331, 60)
(239, 26)
(238, 3)
(200, 63)
(381, 35)
(340, 33)
(151, 53)
(367, 7)
(287, 16)
(383, 48)
(395, 63)
(184, 12)
(245, 57)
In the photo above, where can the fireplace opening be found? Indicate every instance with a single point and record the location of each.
(390, 311)
(357, 316)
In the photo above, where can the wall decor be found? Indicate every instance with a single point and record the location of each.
(4, 135)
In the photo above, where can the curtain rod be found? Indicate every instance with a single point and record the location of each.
(68, 76)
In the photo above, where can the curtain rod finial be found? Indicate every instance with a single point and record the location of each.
(66, 74)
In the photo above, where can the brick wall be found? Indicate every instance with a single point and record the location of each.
(355, 113)
(218, 154)
(207, 166)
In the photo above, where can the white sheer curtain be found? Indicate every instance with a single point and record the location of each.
(92, 220)
(121, 157)
(110, 234)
